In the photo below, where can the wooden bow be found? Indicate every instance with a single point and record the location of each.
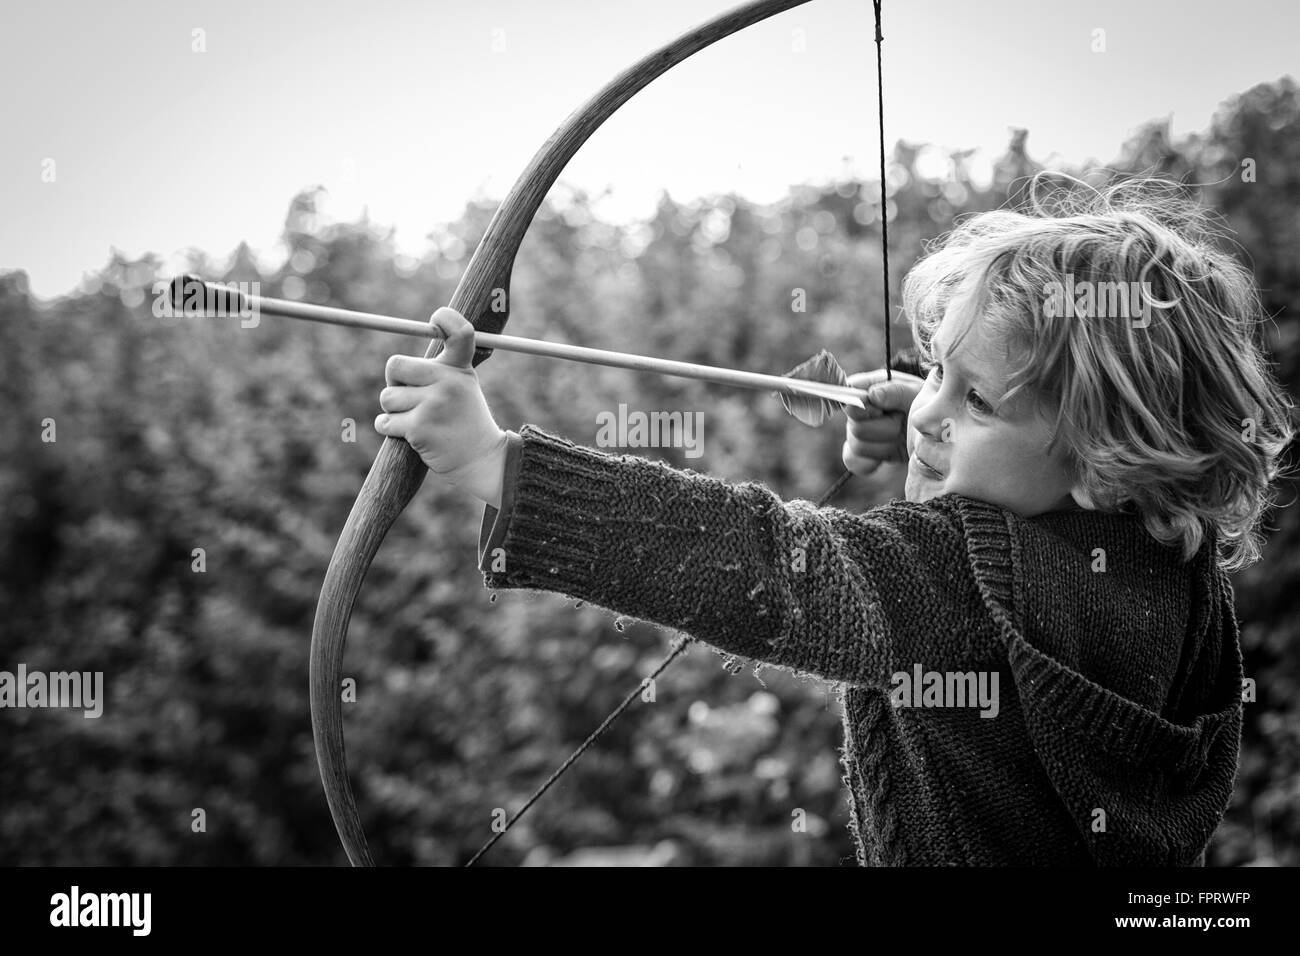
(397, 471)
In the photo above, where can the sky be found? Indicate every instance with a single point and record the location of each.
(164, 125)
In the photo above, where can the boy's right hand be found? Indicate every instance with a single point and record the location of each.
(878, 433)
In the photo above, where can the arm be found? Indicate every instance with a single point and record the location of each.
(845, 597)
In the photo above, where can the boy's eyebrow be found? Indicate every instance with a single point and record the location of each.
(937, 349)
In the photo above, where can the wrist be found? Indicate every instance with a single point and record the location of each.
(484, 477)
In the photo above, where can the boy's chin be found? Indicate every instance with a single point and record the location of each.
(920, 488)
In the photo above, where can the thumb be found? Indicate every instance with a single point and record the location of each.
(458, 337)
(892, 396)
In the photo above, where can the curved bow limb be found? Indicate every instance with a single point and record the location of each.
(397, 471)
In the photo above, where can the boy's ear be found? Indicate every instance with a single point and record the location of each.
(1082, 499)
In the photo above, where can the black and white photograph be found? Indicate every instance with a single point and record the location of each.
(831, 434)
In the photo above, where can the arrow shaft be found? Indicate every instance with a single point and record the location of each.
(235, 301)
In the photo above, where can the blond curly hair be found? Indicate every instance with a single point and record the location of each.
(1165, 405)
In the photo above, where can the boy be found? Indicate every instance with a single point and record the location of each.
(1079, 481)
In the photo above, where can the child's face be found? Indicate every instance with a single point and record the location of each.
(980, 445)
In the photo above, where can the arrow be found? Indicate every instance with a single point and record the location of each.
(192, 296)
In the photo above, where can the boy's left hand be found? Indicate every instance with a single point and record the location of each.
(439, 408)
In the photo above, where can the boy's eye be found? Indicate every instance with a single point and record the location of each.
(973, 397)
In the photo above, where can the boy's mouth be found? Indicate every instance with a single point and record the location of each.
(925, 468)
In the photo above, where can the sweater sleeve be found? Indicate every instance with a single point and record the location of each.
(846, 597)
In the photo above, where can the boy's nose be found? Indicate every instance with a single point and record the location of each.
(927, 417)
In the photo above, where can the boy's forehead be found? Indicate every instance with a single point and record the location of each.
(977, 351)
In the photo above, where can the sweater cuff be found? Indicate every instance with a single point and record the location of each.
(552, 497)
(496, 521)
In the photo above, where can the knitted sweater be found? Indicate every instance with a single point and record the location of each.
(1117, 723)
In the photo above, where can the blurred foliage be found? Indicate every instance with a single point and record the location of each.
(177, 434)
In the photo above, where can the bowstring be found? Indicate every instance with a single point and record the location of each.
(678, 648)
(846, 475)
(683, 642)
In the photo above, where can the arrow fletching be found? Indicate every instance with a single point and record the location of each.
(817, 405)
